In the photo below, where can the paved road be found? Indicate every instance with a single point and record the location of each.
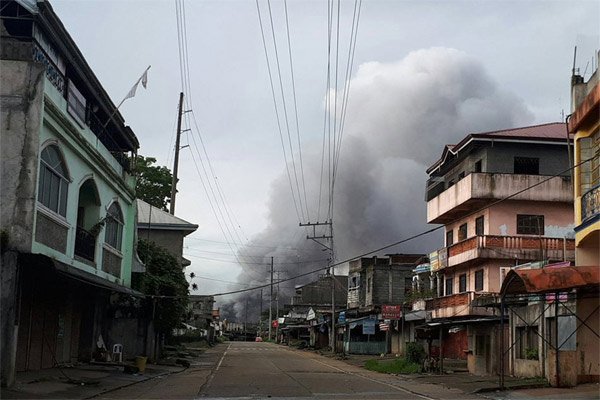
(244, 370)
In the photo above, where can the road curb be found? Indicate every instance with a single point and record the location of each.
(134, 383)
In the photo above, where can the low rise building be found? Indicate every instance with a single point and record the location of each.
(372, 284)
(505, 198)
(67, 190)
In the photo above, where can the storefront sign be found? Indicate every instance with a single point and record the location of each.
(391, 312)
(368, 327)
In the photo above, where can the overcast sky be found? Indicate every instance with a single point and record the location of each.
(514, 58)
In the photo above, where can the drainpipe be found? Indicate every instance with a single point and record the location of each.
(502, 354)
(556, 358)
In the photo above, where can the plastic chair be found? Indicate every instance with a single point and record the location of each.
(117, 352)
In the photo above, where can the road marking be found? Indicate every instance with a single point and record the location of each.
(213, 373)
(371, 379)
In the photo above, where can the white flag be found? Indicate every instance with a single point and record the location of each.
(143, 79)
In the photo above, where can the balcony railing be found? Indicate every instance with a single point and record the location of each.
(456, 305)
(590, 204)
(509, 247)
(85, 244)
(52, 72)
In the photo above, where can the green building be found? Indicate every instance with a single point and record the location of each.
(68, 210)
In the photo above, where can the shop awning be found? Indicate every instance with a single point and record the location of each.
(550, 279)
(82, 276)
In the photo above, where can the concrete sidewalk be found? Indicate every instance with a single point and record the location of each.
(79, 382)
(488, 386)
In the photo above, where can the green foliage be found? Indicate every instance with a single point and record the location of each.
(164, 277)
(419, 295)
(415, 353)
(153, 182)
(395, 366)
(531, 354)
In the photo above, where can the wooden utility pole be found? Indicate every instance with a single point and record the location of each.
(260, 314)
(176, 160)
(319, 240)
(271, 303)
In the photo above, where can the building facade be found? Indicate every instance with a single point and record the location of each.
(505, 198)
(372, 284)
(68, 197)
(584, 123)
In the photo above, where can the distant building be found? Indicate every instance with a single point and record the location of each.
(372, 284)
(203, 314)
(312, 302)
(68, 210)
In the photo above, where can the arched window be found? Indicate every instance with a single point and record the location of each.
(114, 226)
(53, 184)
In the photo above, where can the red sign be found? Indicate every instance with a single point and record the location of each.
(391, 312)
(275, 323)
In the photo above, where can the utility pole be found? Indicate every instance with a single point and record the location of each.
(176, 160)
(329, 238)
(277, 307)
(271, 302)
(246, 318)
(260, 314)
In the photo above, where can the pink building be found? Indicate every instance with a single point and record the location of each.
(505, 198)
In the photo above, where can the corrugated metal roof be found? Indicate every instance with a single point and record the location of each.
(156, 218)
(550, 279)
(553, 130)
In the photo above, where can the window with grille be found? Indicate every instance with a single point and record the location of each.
(449, 238)
(76, 104)
(589, 172)
(114, 226)
(527, 342)
(462, 232)
(479, 280)
(479, 226)
(527, 165)
(462, 283)
(530, 224)
(53, 184)
(449, 286)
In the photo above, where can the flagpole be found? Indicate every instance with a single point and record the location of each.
(127, 96)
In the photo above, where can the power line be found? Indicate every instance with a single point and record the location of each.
(254, 263)
(262, 32)
(287, 25)
(413, 236)
(276, 247)
(285, 113)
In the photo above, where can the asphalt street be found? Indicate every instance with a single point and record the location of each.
(248, 370)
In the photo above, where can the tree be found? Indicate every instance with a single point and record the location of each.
(163, 277)
(153, 182)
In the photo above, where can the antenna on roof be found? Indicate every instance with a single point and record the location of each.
(574, 60)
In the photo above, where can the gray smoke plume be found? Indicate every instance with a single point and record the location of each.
(400, 116)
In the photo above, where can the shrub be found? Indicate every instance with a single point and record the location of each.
(396, 366)
(531, 354)
(415, 353)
